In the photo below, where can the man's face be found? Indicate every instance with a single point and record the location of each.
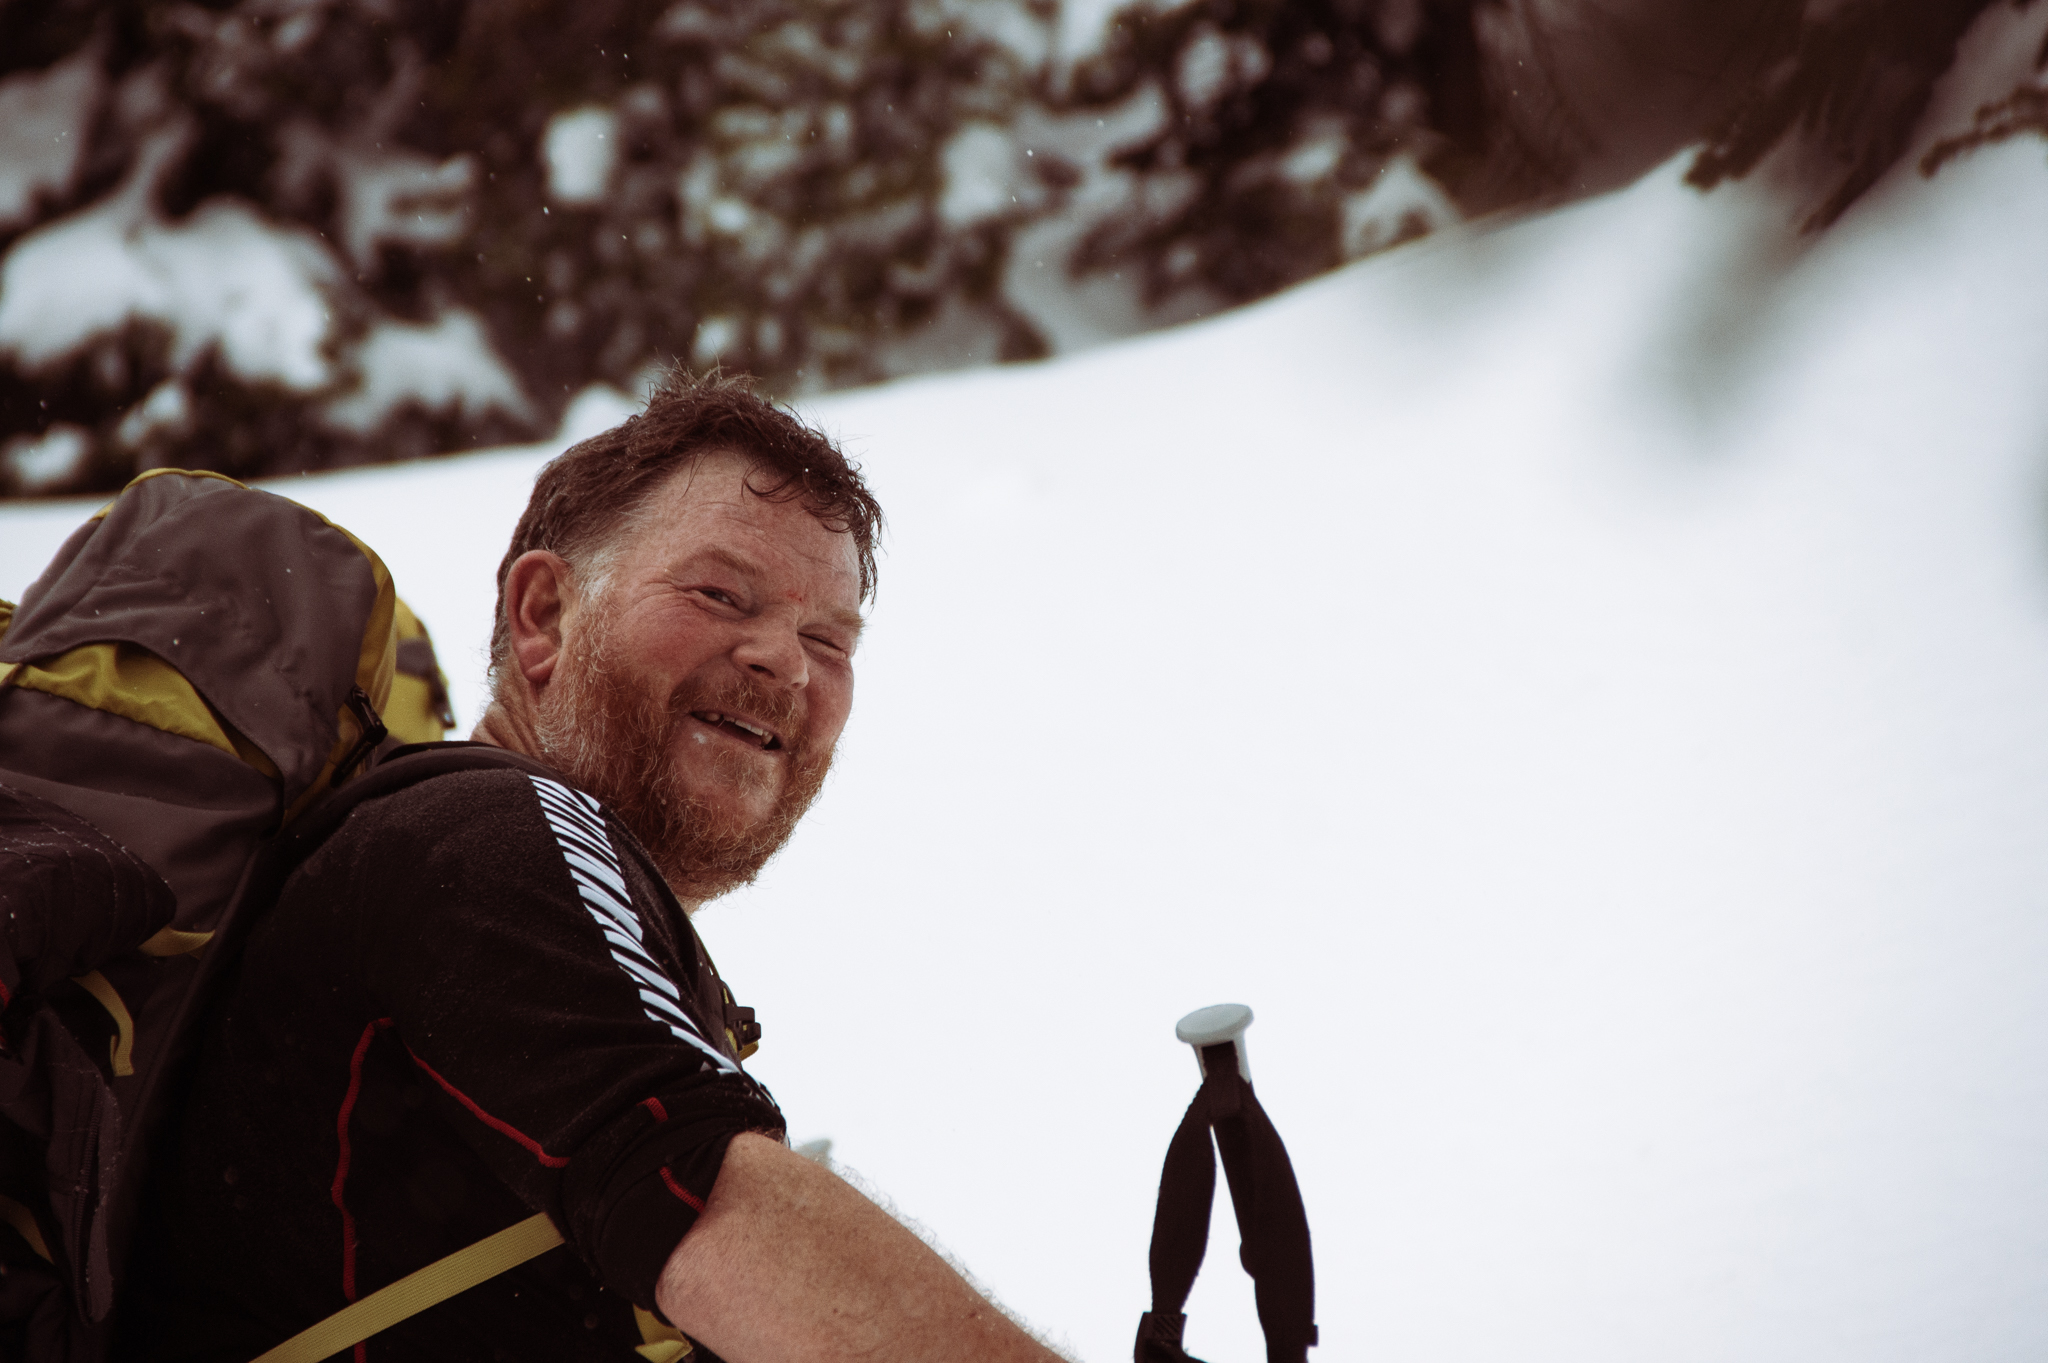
(702, 692)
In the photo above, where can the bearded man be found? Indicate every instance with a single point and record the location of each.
(482, 996)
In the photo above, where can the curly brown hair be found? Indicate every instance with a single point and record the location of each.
(587, 495)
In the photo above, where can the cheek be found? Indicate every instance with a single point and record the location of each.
(673, 638)
(830, 705)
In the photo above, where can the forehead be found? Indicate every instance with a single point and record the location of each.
(707, 510)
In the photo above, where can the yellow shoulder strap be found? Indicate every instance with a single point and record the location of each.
(415, 1292)
(121, 1050)
(664, 1343)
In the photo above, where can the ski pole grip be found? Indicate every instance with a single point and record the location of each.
(1214, 1025)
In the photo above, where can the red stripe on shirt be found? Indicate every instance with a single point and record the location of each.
(339, 1191)
(501, 1127)
(669, 1181)
(654, 1106)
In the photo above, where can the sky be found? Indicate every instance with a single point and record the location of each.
(1581, 679)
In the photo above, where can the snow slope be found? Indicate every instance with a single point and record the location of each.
(1584, 682)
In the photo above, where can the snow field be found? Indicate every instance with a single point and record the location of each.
(1584, 682)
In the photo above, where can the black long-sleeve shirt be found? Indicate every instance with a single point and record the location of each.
(477, 1000)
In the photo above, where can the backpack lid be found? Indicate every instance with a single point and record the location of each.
(271, 612)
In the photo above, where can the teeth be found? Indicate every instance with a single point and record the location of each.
(714, 718)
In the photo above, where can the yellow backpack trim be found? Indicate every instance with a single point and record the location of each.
(376, 664)
(378, 660)
(131, 682)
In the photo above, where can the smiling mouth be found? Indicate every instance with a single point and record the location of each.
(744, 730)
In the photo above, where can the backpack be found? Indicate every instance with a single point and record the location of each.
(200, 664)
(418, 710)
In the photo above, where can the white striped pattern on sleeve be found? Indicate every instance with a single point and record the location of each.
(594, 866)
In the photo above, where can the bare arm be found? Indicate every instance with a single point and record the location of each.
(788, 1262)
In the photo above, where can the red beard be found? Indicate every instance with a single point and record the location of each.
(602, 728)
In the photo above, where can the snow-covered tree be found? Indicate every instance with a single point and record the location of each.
(1849, 82)
(277, 234)
(269, 235)
(1292, 135)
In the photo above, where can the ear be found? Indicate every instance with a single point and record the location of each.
(535, 591)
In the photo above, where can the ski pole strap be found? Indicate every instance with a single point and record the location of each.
(1272, 1225)
(416, 1291)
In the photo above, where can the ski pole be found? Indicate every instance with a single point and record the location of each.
(1271, 1223)
(1214, 1025)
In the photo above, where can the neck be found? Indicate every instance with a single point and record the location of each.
(508, 724)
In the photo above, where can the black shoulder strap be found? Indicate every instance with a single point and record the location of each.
(1271, 1223)
(402, 767)
(70, 896)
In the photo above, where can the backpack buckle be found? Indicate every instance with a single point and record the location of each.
(373, 732)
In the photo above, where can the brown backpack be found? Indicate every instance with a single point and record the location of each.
(200, 663)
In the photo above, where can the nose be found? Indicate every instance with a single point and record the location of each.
(773, 653)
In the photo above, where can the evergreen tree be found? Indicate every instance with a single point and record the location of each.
(1850, 83)
(570, 191)
(1279, 115)
(2024, 110)
(460, 214)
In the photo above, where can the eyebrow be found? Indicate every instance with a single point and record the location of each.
(853, 622)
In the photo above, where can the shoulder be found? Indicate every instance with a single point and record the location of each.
(500, 798)
(486, 826)
(489, 822)
(475, 821)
